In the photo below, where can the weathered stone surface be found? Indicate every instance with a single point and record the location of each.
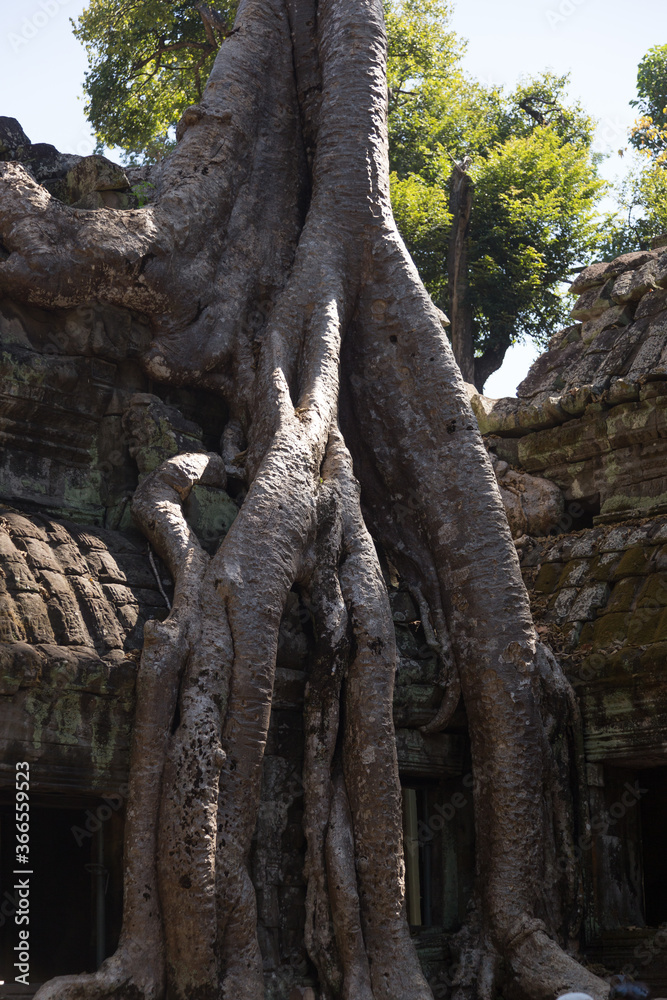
(651, 356)
(81, 181)
(548, 373)
(93, 182)
(157, 431)
(46, 164)
(66, 638)
(654, 301)
(599, 273)
(610, 583)
(604, 361)
(590, 277)
(632, 285)
(533, 506)
(42, 160)
(65, 381)
(590, 304)
(590, 414)
(508, 417)
(436, 756)
(13, 140)
(613, 317)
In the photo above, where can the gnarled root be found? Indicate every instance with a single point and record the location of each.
(399, 364)
(344, 897)
(321, 722)
(138, 966)
(357, 932)
(369, 758)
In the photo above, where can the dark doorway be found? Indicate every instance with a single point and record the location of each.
(438, 842)
(423, 856)
(75, 889)
(654, 851)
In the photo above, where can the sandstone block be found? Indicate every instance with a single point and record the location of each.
(603, 566)
(623, 595)
(614, 316)
(574, 573)
(564, 601)
(13, 140)
(654, 301)
(594, 275)
(610, 630)
(548, 577)
(635, 561)
(653, 591)
(589, 305)
(589, 601)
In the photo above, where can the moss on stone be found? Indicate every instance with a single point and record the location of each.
(603, 566)
(610, 629)
(655, 657)
(636, 628)
(574, 573)
(660, 560)
(623, 595)
(621, 662)
(621, 503)
(654, 592)
(642, 626)
(634, 562)
(548, 577)
(586, 635)
(210, 512)
(661, 630)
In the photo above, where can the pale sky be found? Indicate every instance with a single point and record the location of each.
(599, 42)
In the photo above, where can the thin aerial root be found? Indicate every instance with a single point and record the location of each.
(565, 765)
(370, 765)
(448, 706)
(438, 639)
(321, 721)
(439, 642)
(344, 896)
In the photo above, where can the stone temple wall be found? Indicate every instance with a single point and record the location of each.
(591, 414)
(591, 419)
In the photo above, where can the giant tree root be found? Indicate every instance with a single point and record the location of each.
(272, 273)
(138, 966)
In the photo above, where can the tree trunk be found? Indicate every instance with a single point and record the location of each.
(461, 191)
(272, 273)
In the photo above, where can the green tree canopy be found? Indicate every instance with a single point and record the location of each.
(535, 177)
(649, 134)
(642, 194)
(641, 216)
(533, 220)
(148, 60)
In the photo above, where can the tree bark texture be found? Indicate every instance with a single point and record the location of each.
(474, 369)
(461, 192)
(272, 273)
